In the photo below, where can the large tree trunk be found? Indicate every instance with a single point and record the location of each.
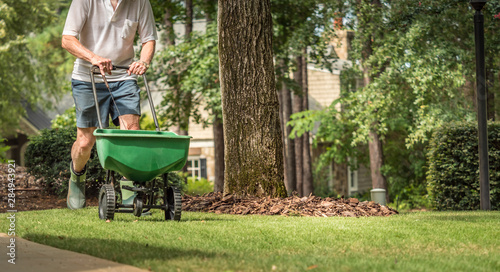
(291, 181)
(252, 132)
(308, 186)
(299, 141)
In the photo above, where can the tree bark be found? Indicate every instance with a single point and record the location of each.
(299, 141)
(291, 181)
(308, 186)
(218, 130)
(252, 132)
(376, 161)
(283, 136)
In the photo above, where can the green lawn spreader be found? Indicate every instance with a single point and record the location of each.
(139, 156)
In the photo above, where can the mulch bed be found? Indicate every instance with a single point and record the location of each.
(290, 206)
(29, 196)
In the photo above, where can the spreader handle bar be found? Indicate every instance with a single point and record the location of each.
(95, 70)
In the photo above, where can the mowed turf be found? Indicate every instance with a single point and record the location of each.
(424, 241)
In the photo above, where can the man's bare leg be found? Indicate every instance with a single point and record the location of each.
(80, 152)
(129, 122)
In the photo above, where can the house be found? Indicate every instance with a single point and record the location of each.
(34, 121)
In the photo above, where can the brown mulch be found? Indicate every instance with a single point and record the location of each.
(290, 206)
(29, 193)
(29, 196)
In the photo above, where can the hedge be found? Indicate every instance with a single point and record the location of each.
(453, 175)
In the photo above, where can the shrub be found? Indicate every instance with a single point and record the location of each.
(48, 156)
(453, 175)
(3, 150)
(199, 186)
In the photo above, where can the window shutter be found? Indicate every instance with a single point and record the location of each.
(203, 168)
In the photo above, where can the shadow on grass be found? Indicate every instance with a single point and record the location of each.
(124, 252)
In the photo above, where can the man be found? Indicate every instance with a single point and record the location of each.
(101, 33)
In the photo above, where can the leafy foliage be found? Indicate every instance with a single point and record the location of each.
(190, 68)
(65, 120)
(453, 174)
(29, 63)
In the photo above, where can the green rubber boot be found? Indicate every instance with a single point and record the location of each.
(127, 195)
(76, 189)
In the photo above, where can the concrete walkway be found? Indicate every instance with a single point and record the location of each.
(35, 257)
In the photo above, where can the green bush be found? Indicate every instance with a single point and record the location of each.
(48, 156)
(3, 150)
(199, 186)
(453, 175)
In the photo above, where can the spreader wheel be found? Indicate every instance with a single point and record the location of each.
(107, 202)
(138, 204)
(173, 204)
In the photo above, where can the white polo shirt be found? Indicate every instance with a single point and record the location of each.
(109, 34)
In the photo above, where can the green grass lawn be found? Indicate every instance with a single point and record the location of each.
(425, 241)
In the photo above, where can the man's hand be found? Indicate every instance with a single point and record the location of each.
(104, 64)
(138, 68)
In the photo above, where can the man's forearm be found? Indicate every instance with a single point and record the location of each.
(73, 45)
(148, 51)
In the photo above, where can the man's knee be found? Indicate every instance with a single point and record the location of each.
(85, 139)
(129, 122)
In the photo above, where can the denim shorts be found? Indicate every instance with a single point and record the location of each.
(124, 93)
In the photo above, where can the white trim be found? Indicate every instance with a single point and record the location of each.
(201, 143)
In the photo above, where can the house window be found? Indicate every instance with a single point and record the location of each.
(197, 167)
